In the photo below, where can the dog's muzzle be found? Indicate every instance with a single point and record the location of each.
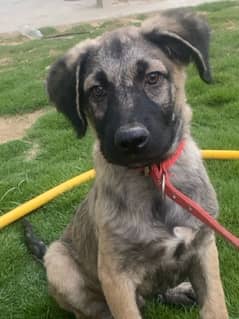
(131, 138)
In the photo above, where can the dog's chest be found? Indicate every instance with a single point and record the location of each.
(150, 251)
(141, 226)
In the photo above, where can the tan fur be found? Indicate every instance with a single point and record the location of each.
(121, 300)
(162, 23)
(67, 289)
(213, 303)
(73, 53)
(181, 104)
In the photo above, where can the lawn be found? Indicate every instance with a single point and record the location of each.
(59, 155)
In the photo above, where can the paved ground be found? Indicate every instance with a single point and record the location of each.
(14, 14)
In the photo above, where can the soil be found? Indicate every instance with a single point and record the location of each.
(5, 61)
(15, 127)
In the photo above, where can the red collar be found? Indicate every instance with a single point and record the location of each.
(160, 176)
(164, 166)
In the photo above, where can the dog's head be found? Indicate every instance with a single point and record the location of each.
(129, 84)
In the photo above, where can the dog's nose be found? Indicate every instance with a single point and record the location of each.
(131, 138)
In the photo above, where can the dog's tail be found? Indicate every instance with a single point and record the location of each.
(34, 244)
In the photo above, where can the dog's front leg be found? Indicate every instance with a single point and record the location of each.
(118, 286)
(205, 278)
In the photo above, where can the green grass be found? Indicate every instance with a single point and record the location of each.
(23, 292)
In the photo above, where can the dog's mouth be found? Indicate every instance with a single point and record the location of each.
(136, 161)
(143, 163)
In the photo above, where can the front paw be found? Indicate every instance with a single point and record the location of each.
(214, 312)
(181, 295)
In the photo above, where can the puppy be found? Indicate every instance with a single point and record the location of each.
(127, 240)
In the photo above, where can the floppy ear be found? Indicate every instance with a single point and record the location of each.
(64, 84)
(183, 36)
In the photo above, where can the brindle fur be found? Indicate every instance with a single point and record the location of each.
(122, 245)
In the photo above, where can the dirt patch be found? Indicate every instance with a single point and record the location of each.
(12, 39)
(231, 25)
(54, 52)
(14, 127)
(5, 61)
(33, 152)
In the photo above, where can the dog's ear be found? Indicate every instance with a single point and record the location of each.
(64, 84)
(183, 36)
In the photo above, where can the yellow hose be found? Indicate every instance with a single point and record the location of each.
(44, 198)
(219, 154)
(49, 195)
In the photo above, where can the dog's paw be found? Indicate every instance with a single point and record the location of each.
(181, 295)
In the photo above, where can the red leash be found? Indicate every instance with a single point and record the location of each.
(160, 175)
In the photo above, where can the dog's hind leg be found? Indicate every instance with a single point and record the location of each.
(205, 278)
(64, 280)
(68, 286)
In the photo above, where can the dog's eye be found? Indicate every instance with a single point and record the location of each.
(98, 91)
(152, 78)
